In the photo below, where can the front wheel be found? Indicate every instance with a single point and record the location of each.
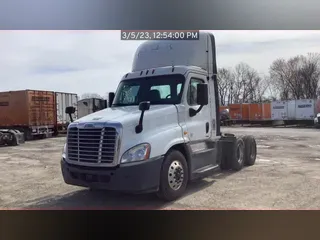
(173, 177)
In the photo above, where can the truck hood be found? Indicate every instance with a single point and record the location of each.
(128, 115)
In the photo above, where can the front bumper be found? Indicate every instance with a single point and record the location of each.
(139, 177)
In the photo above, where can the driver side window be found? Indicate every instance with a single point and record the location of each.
(192, 91)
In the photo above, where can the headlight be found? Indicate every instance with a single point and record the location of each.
(137, 153)
(64, 150)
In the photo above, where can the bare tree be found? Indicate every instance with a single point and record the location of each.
(296, 78)
(248, 85)
(310, 75)
(241, 84)
(270, 93)
(225, 85)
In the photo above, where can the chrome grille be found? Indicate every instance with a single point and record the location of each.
(92, 145)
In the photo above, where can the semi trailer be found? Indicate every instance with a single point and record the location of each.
(90, 105)
(162, 130)
(27, 114)
(64, 100)
(31, 112)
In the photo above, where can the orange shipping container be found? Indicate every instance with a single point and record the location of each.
(239, 111)
(266, 111)
(245, 111)
(29, 110)
(318, 106)
(255, 111)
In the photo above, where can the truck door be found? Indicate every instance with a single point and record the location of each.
(200, 129)
(199, 126)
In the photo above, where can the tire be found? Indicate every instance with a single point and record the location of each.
(14, 141)
(237, 161)
(173, 166)
(250, 153)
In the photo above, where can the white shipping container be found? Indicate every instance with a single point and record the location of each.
(291, 109)
(279, 110)
(64, 100)
(305, 109)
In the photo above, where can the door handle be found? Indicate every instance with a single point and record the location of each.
(207, 127)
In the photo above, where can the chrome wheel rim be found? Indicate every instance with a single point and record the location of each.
(175, 175)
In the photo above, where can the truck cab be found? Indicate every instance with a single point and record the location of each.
(162, 129)
(90, 105)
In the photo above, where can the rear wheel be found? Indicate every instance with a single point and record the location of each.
(237, 162)
(250, 154)
(173, 177)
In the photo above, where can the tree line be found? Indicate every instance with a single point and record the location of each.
(295, 78)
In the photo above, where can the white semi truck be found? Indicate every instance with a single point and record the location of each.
(162, 129)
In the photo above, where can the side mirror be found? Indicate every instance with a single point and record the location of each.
(144, 106)
(70, 110)
(202, 98)
(111, 97)
(105, 104)
(202, 94)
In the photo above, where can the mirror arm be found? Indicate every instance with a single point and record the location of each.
(193, 112)
(139, 127)
(71, 118)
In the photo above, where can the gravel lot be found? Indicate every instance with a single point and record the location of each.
(286, 176)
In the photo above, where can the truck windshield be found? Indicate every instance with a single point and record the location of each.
(158, 90)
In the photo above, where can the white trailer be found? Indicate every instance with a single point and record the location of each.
(291, 110)
(279, 110)
(305, 109)
(64, 100)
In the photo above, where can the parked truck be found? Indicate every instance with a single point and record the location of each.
(90, 105)
(162, 129)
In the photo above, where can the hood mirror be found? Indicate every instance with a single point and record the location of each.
(143, 106)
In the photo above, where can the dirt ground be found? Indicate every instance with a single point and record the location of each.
(285, 176)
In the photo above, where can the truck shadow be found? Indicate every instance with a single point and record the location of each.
(104, 200)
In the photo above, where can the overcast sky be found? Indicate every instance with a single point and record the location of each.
(95, 61)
